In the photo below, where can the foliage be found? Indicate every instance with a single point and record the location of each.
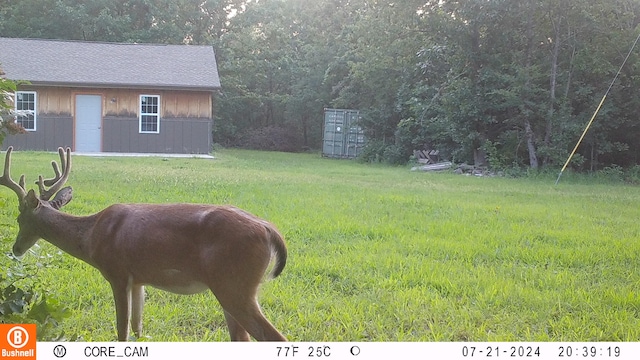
(162, 21)
(7, 111)
(271, 138)
(632, 175)
(23, 298)
(378, 253)
(522, 75)
(273, 67)
(20, 301)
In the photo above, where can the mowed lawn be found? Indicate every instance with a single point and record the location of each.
(376, 253)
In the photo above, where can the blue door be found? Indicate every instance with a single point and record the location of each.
(88, 134)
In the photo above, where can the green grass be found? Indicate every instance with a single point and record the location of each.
(376, 253)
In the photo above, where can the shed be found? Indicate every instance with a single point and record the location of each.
(112, 97)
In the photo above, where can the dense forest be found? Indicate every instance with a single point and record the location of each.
(507, 83)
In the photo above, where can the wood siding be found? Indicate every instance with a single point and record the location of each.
(175, 104)
(54, 101)
(125, 102)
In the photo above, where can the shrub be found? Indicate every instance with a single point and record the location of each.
(372, 152)
(22, 302)
(272, 138)
(632, 175)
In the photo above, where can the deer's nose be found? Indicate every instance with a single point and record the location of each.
(18, 251)
(22, 245)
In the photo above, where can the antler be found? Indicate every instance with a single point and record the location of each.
(6, 177)
(57, 181)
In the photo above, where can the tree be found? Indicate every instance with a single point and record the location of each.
(147, 21)
(508, 83)
(274, 64)
(8, 124)
(527, 92)
(377, 70)
(21, 303)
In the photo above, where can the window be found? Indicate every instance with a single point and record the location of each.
(150, 114)
(26, 109)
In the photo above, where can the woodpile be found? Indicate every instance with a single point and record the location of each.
(433, 167)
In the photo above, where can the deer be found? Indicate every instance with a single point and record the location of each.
(183, 248)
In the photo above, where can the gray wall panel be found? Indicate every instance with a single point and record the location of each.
(52, 131)
(188, 136)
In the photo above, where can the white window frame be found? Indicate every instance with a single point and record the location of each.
(33, 112)
(143, 114)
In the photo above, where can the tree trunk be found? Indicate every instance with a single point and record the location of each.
(305, 133)
(531, 147)
(554, 75)
(529, 134)
(479, 157)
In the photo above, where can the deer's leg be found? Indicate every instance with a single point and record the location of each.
(244, 309)
(137, 304)
(122, 297)
(237, 332)
(235, 285)
(251, 318)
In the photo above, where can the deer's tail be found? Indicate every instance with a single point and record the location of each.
(279, 251)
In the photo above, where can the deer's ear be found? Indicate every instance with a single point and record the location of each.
(31, 201)
(62, 198)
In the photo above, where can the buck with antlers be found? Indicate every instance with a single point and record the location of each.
(181, 248)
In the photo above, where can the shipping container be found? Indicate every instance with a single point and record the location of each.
(343, 137)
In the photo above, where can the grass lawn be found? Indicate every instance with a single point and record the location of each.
(376, 253)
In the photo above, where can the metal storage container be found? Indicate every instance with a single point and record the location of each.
(343, 137)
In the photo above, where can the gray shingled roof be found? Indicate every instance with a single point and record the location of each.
(78, 63)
